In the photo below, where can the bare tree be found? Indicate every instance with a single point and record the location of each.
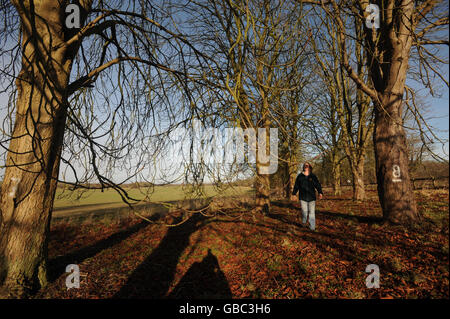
(94, 82)
(388, 43)
(351, 104)
(324, 132)
(248, 42)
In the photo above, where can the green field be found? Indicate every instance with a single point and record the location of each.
(66, 199)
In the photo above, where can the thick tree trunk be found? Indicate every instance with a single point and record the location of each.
(394, 185)
(359, 192)
(27, 194)
(30, 180)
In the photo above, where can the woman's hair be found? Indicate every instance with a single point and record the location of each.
(308, 164)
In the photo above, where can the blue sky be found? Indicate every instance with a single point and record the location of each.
(437, 113)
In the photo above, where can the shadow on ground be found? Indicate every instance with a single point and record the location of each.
(154, 276)
(58, 265)
(204, 279)
(297, 210)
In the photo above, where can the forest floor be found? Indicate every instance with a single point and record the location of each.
(232, 254)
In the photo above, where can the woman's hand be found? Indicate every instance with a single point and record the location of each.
(320, 196)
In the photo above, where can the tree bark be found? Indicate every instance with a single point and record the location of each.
(262, 188)
(262, 181)
(390, 57)
(292, 177)
(32, 164)
(388, 51)
(359, 192)
(394, 185)
(28, 192)
(336, 171)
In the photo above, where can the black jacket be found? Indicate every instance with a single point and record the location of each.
(306, 185)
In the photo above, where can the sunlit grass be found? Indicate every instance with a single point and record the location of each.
(72, 199)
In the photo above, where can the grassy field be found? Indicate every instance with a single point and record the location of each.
(233, 254)
(80, 199)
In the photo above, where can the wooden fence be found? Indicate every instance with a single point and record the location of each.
(440, 182)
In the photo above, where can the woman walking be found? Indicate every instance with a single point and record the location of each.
(306, 184)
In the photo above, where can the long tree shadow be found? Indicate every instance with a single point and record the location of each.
(57, 265)
(340, 239)
(204, 279)
(358, 218)
(287, 220)
(152, 278)
(284, 203)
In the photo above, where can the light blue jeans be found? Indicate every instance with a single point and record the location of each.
(309, 212)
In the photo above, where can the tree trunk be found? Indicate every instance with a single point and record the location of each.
(359, 192)
(30, 180)
(287, 186)
(262, 189)
(290, 187)
(27, 196)
(279, 181)
(262, 181)
(336, 170)
(394, 184)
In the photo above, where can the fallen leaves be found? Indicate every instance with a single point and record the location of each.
(270, 257)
